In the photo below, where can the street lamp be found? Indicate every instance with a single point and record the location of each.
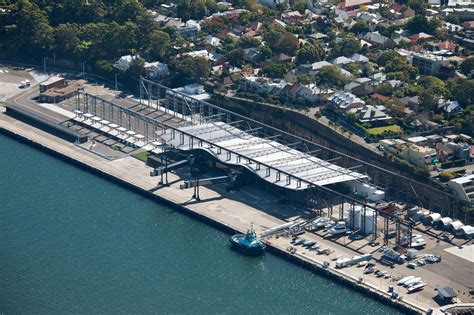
(83, 68)
(44, 64)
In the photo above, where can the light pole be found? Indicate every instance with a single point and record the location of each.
(44, 64)
(83, 68)
(116, 82)
(54, 59)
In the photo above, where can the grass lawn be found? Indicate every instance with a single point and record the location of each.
(141, 155)
(381, 130)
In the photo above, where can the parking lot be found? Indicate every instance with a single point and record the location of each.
(11, 78)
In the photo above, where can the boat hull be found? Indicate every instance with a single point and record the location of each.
(254, 251)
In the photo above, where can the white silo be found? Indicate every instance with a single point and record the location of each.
(370, 223)
(355, 217)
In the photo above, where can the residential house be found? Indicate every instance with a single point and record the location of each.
(433, 140)
(452, 28)
(420, 38)
(156, 70)
(379, 40)
(373, 114)
(359, 89)
(444, 153)
(469, 25)
(362, 89)
(400, 13)
(461, 150)
(291, 17)
(359, 58)
(453, 107)
(370, 18)
(252, 54)
(379, 97)
(281, 58)
(341, 61)
(199, 53)
(430, 64)
(313, 68)
(124, 62)
(210, 40)
(312, 94)
(344, 101)
(190, 29)
(353, 4)
(378, 78)
(420, 156)
(316, 37)
(272, 3)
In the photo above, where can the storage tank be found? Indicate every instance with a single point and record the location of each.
(355, 214)
(370, 217)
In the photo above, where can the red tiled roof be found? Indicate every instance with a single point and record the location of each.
(379, 97)
(294, 88)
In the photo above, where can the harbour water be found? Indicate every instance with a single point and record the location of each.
(73, 242)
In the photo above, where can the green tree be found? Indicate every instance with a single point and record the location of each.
(331, 76)
(195, 9)
(452, 18)
(236, 57)
(214, 25)
(265, 52)
(346, 45)
(127, 10)
(433, 85)
(159, 45)
(193, 69)
(287, 44)
(33, 33)
(420, 23)
(384, 89)
(360, 27)
(275, 70)
(249, 41)
(104, 67)
(397, 64)
(310, 53)
(66, 39)
(462, 90)
(467, 66)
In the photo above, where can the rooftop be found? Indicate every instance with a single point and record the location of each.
(268, 152)
(464, 179)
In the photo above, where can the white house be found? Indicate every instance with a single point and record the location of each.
(212, 41)
(200, 53)
(156, 70)
(370, 114)
(124, 62)
(345, 101)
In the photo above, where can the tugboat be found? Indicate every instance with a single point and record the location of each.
(248, 243)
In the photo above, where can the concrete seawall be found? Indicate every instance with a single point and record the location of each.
(85, 160)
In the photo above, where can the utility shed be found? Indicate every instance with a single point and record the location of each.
(446, 294)
(53, 82)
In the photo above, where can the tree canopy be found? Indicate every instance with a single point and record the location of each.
(420, 23)
(310, 53)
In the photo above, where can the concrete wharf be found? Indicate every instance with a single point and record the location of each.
(226, 211)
